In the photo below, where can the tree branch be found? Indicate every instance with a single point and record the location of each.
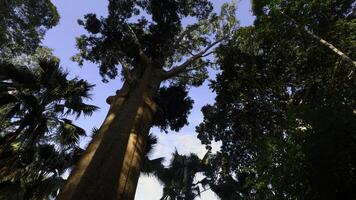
(207, 189)
(126, 71)
(322, 41)
(207, 54)
(182, 76)
(178, 41)
(183, 34)
(142, 54)
(184, 67)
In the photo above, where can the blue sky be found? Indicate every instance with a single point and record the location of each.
(62, 40)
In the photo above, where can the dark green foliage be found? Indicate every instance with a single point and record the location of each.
(149, 34)
(37, 143)
(330, 151)
(151, 166)
(178, 177)
(174, 108)
(187, 176)
(138, 31)
(285, 104)
(23, 24)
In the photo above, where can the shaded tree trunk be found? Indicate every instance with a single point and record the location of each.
(110, 167)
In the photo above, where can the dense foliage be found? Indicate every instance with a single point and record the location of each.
(174, 108)
(140, 34)
(23, 24)
(284, 111)
(120, 38)
(285, 105)
(179, 177)
(38, 143)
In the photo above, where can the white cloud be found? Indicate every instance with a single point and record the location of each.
(148, 188)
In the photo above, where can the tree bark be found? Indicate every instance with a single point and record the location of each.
(110, 167)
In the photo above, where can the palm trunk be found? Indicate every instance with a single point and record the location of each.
(110, 167)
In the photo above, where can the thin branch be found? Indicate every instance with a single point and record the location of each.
(137, 42)
(177, 42)
(184, 67)
(126, 71)
(184, 76)
(207, 54)
(189, 51)
(180, 69)
(197, 67)
(322, 41)
(183, 34)
(213, 44)
(202, 192)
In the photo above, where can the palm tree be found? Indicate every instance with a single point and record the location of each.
(38, 143)
(178, 178)
(151, 166)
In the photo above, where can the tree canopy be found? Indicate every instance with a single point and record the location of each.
(285, 102)
(152, 32)
(23, 25)
(284, 111)
(38, 142)
(138, 34)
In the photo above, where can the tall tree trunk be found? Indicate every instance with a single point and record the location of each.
(110, 167)
(331, 47)
(322, 41)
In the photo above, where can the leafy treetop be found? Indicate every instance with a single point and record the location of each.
(38, 142)
(285, 103)
(141, 33)
(23, 24)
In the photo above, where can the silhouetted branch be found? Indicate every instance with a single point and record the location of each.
(184, 67)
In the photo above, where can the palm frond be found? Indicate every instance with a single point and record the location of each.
(49, 187)
(94, 131)
(68, 133)
(151, 167)
(76, 106)
(6, 98)
(32, 101)
(15, 109)
(18, 76)
(152, 141)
